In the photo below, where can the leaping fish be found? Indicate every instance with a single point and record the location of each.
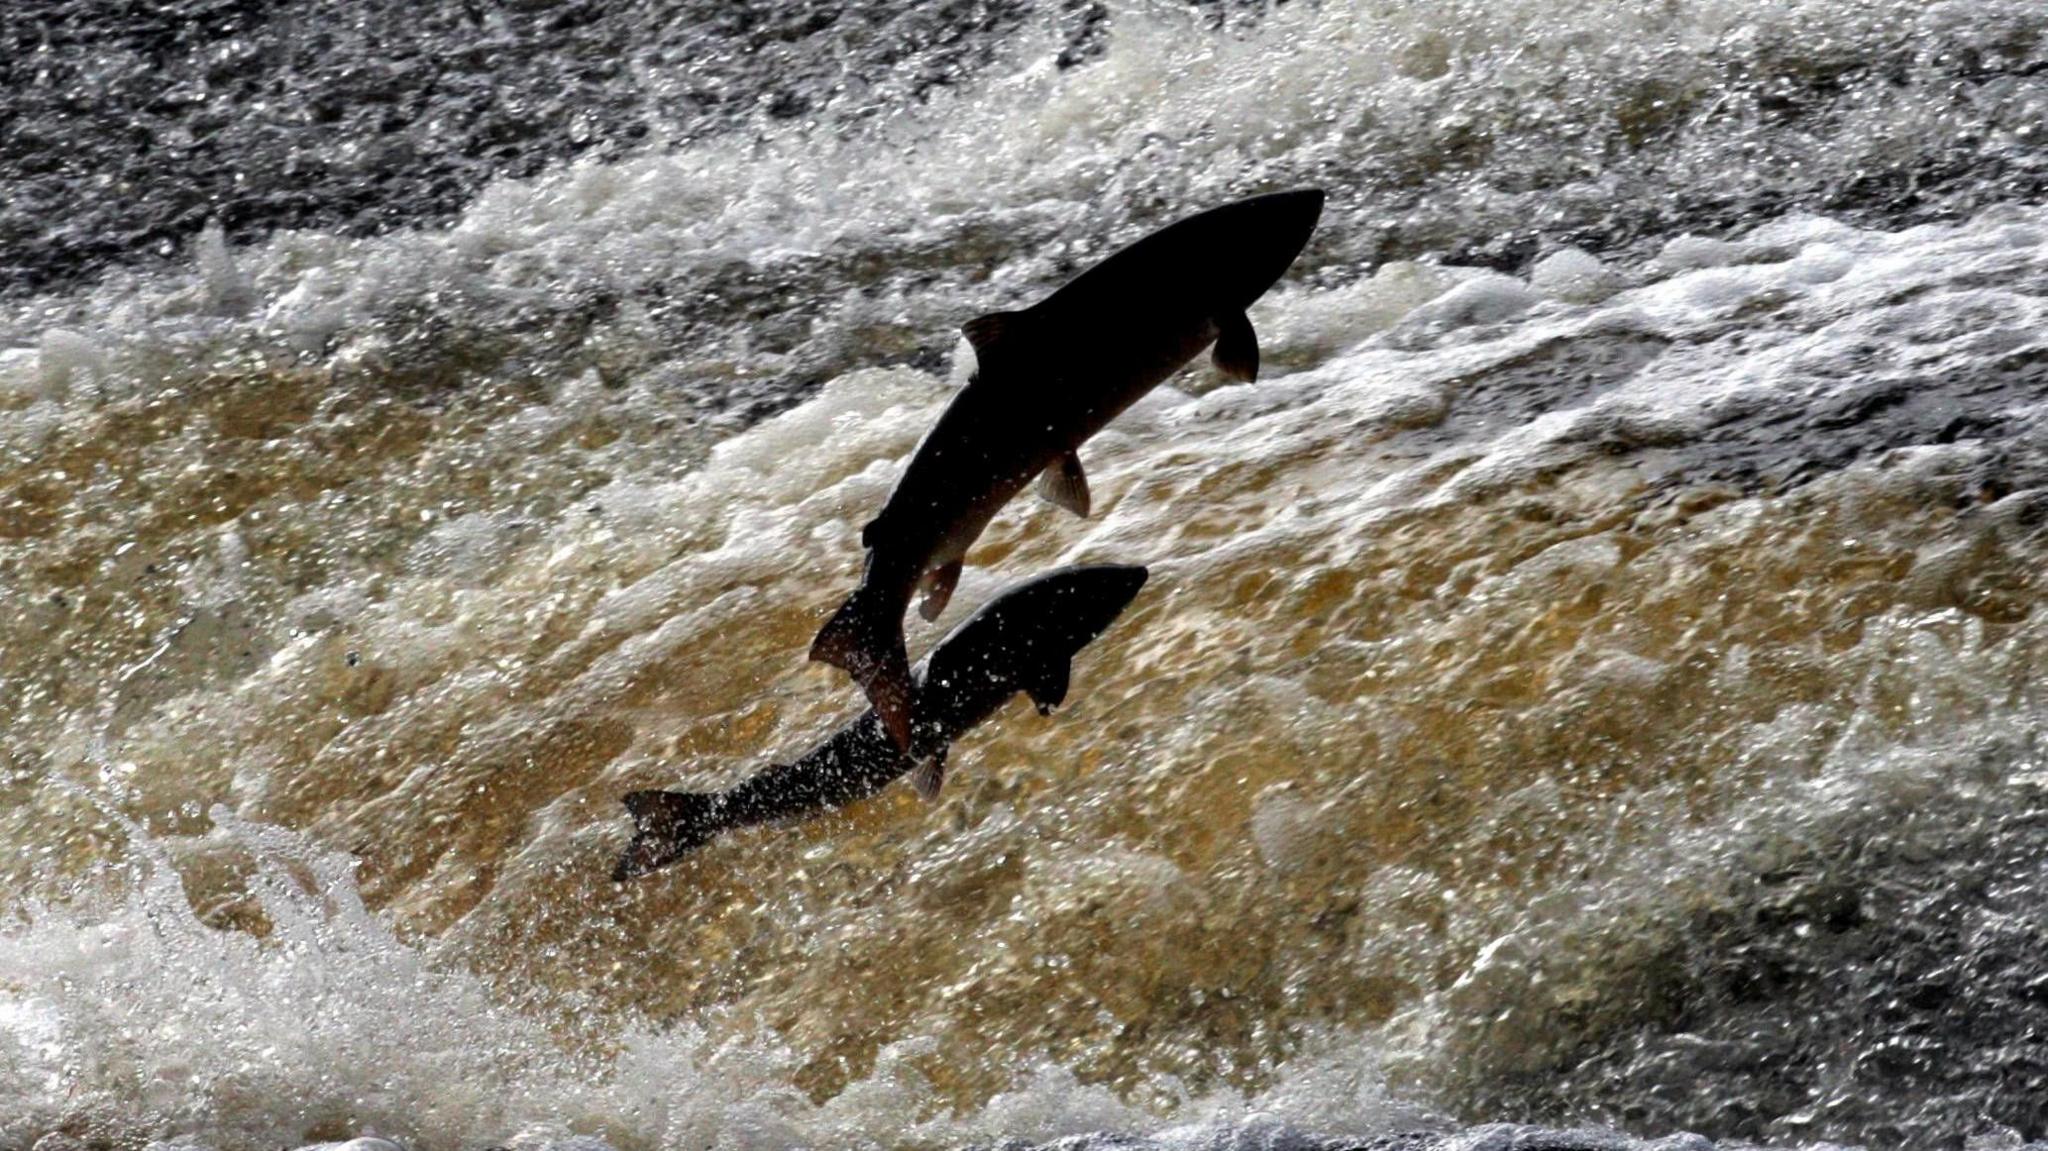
(1049, 377)
(1023, 640)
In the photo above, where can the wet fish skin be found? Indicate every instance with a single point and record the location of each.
(1048, 378)
(1024, 640)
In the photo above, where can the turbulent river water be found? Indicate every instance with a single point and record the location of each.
(1593, 682)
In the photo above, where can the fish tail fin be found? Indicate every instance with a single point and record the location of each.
(855, 631)
(865, 637)
(665, 825)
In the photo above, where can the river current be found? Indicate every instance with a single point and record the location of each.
(1589, 693)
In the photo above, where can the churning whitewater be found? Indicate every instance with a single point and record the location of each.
(1586, 694)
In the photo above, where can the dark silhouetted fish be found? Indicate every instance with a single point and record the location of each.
(1047, 379)
(1023, 640)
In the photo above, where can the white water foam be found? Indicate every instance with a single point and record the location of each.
(130, 1006)
(124, 1008)
(1031, 169)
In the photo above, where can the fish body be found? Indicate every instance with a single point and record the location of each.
(1047, 379)
(1024, 640)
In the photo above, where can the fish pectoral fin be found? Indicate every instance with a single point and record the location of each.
(929, 776)
(1237, 347)
(938, 589)
(1049, 688)
(1065, 485)
(985, 332)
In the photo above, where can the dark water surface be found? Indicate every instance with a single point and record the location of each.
(128, 126)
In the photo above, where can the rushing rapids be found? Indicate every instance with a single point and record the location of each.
(1593, 678)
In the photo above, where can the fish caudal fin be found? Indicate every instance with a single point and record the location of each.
(1237, 347)
(865, 637)
(1065, 485)
(858, 634)
(666, 824)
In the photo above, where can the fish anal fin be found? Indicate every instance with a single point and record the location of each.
(1237, 347)
(938, 589)
(928, 776)
(985, 332)
(1048, 689)
(1065, 485)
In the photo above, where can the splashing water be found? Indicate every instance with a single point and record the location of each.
(1592, 679)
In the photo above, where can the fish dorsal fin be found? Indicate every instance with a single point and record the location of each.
(985, 332)
(929, 776)
(1065, 485)
(1237, 347)
(938, 589)
(1048, 689)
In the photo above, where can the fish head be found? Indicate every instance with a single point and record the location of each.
(1024, 640)
(1086, 600)
(1252, 242)
(1051, 616)
(667, 825)
(649, 853)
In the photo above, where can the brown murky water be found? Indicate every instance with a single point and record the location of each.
(1431, 685)
(1604, 693)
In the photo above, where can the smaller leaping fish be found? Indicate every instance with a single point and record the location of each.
(1023, 640)
(1047, 379)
